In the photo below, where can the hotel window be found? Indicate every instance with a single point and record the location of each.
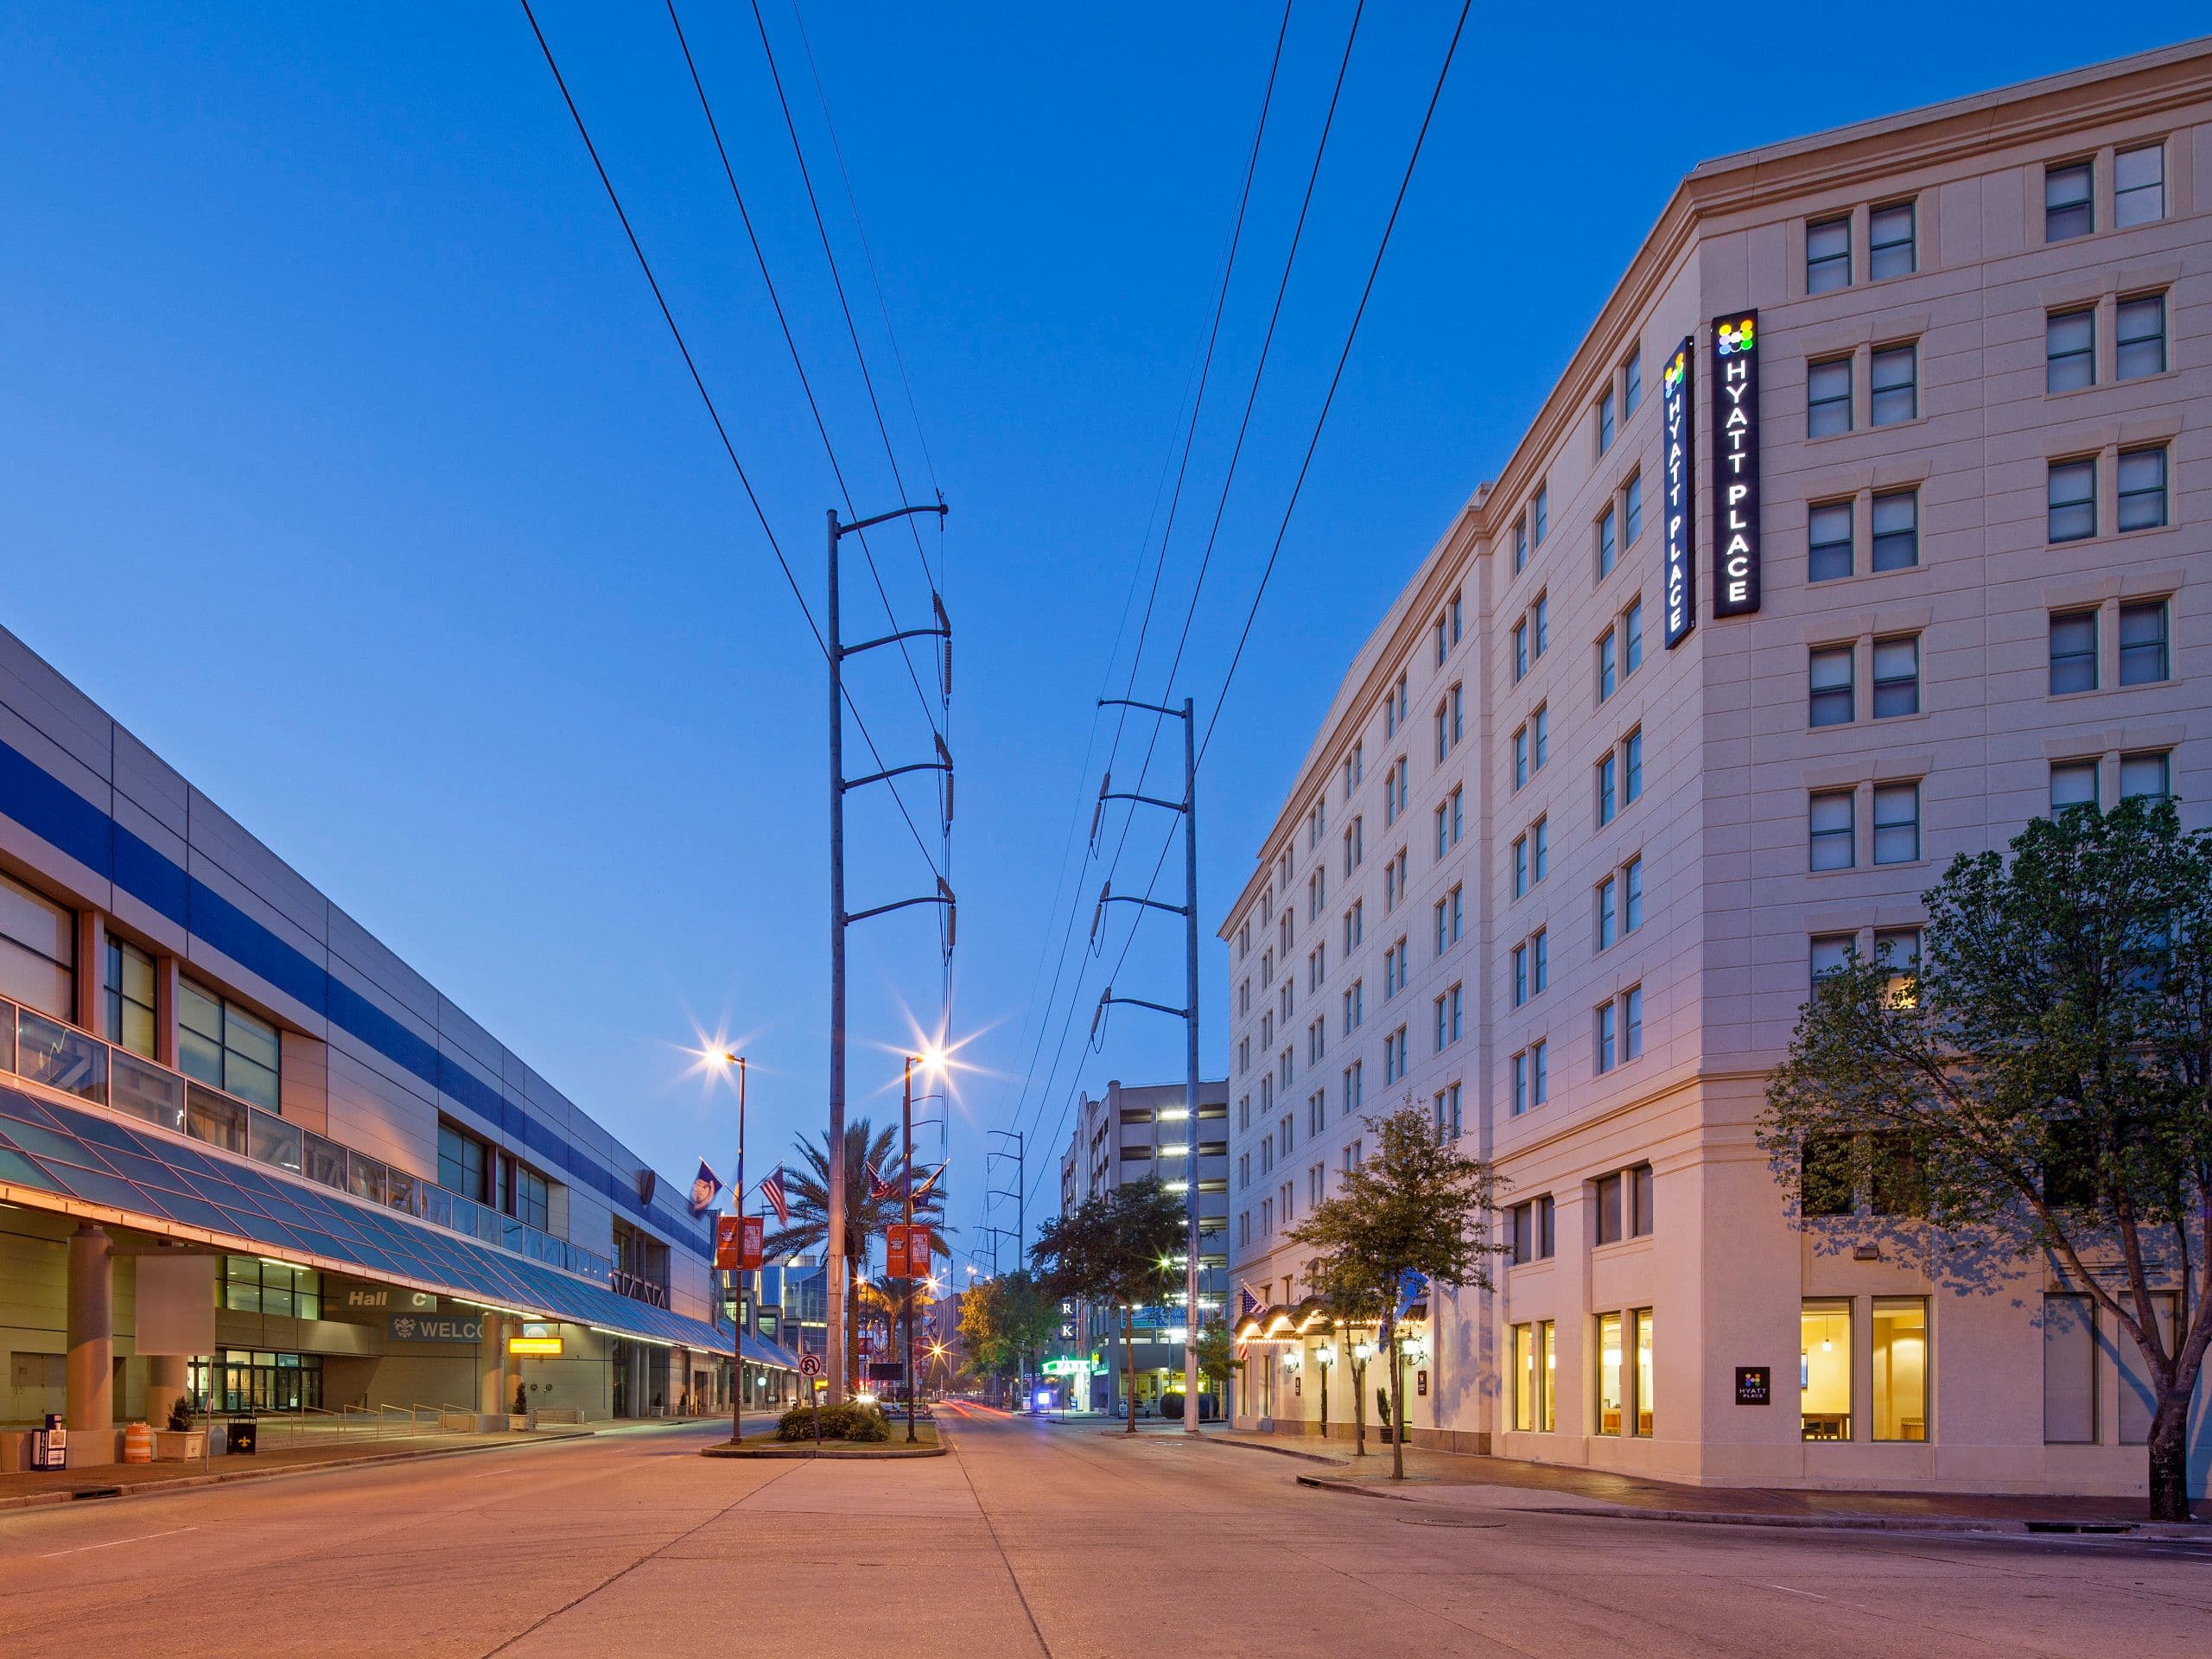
(1898, 949)
(1607, 548)
(1632, 895)
(1540, 959)
(1450, 917)
(1355, 1004)
(1355, 1086)
(2142, 643)
(1606, 421)
(1608, 774)
(1889, 250)
(1619, 1411)
(2073, 783)
(1317, 894)
(1897, 676)
(1394, 884)
(1896, 529)
(1530, 1223)
(1897, 823)
(1355, 1155)
(1539, 849)
(1828, 397)
(1457, 823)
(2069, 208)
(1395, 1054)
(2069, 1369)
(1442, 648)
(1457, 619)
(129, 986)
(1316, 1040)
(220, 1043)
(2072, 651)
(1828, 255)
(1828, 541)
(1520, 1083)
(1355, 768)
(1894, 382)
(1824, 1369)
(1355, 925)
(2139, 337)
(1632, 768)
(2069, 350)
(1541, 514)
(38, 950)
(1632, 384)
(1355, 846)
(1539, 1073)
(1448, 1012)
(2143, 488)
(1831, 951)
(1632, 1023)
(1632, 638)
(2071, 493)
(1632, 509)
(2148, 775)
(1520, 866)
(1900, 1326)
(1520, 974)
(1831, 822)
(1608, 671)
(1540, 727)
(1533, 1367)
(1542, 624)
(1605, 1018)
(1267, 1217)
(2139, 185)
(1520, 545)
(1520, 757)
(1608, 912)
(1395, 959)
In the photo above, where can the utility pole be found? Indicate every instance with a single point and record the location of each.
(906, 1204)
(1188, 807)
(737, 1315)
(837, 650)
(1019, 1195)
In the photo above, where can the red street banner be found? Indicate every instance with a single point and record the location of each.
(907, 1251)
(737, 1242)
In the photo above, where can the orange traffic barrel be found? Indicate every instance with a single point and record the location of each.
(138, 1444)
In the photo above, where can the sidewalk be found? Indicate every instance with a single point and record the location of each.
(1460, 1482)
(32, 1489)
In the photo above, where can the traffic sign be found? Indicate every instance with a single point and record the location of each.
(809, 1365)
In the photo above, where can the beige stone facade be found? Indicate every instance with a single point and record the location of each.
(1956, 309)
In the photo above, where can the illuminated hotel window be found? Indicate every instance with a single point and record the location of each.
(1642, 1321)
(1611, 1402)
(1824, 1369)
(1900, 1368)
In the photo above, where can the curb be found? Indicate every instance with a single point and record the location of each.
(1323, 1483)
(1281, 1451)
(1984, 1527)
(788, 1453)
(194, 1483)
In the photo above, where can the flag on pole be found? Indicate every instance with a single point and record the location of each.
(771, 1193)
(705, 1185)
(877, 1186)
(928, 1181)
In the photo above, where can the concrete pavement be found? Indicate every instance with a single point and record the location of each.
(1025, 1541)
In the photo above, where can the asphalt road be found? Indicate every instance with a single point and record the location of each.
(1029, 1540)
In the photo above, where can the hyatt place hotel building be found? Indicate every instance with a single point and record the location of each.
(1871, 517)
(249, 1154)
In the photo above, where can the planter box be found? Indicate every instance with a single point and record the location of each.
(180, 1445)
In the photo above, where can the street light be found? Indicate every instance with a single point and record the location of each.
(723, 1058)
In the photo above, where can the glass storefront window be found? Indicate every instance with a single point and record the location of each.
(245, 1381)
(1546, 1374)
(1900, 1368)
(1643, 1370)
(1609, 1374)
(1526, 1361)
(221, 1044)
(1824, 1369)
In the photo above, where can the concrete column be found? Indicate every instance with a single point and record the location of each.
(165, 978)
(92, 972)
(90, 1409)
(491, 1366)
(167, 1378)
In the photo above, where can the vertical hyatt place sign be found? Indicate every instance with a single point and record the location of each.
(1678, 470)
(1735, 465)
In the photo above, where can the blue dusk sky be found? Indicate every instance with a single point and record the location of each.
(350, 464)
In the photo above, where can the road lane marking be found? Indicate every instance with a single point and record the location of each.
(112, 1542)
(1787, 1590)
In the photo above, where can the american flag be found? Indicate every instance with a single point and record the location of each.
(877, 1186)
(771, 1192)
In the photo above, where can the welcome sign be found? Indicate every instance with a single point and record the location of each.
(1736, 464)
(1679, 476)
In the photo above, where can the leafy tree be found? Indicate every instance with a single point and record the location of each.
(1418, 1206)
(1004, 1318)
(1216, 1356)
(807, 1188)
(2038, 1084)
(1117, 1249)
(1353, 1301)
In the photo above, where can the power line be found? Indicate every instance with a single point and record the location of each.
(760, 258)
(1336, 378)
(714, 414)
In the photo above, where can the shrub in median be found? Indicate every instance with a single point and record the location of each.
(848, 1422)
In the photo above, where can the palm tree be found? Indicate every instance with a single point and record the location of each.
(808, 1189)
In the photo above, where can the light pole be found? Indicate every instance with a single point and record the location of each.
(907, 1204)
(737, 1314)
